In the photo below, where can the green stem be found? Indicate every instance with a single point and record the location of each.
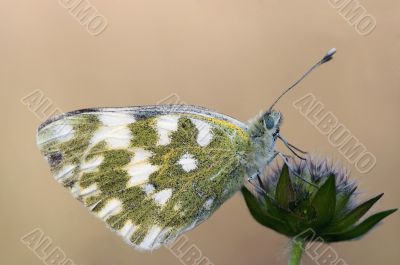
(297, 251)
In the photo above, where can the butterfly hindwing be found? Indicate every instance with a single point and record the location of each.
(151, 173)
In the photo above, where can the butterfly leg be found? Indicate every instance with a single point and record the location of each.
(258, 186)
(290, 146)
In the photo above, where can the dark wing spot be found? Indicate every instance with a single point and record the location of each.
(55, 159)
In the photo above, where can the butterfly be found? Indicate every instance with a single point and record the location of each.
(152, 173)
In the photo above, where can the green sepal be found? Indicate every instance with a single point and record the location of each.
(324, 202)
(260, 213)
(352, 216)
(284, 193)
(342, 200)
(360, 229)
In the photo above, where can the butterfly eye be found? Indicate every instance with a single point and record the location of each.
(269, 122)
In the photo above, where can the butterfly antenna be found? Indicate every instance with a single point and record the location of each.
(328, 56)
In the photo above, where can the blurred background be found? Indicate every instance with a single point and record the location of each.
(231, 56)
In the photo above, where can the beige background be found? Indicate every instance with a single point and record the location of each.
(231, 56)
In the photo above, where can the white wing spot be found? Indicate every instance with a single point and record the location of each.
(92, 190)
(127, 230)
(55, 132)
(89, 191)
(114, 130)
(141, 155)
(116, 137)
(208, 204)
(112, 207)
(204, 136)
(140, 174)
(188, 162)
(116, 119)
(165, 125)
(150, 238)
(91, 165)
(64, 173)
(163, 196)
(139, 168)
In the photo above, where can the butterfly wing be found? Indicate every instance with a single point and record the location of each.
(151, 173)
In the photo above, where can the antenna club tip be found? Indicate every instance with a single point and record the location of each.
(331, 52)
(328, 56)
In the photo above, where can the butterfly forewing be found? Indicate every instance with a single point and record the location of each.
(150, 173)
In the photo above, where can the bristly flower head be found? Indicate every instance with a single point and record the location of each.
(313, 195)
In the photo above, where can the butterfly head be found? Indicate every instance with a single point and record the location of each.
(265, 126)
(272, 120)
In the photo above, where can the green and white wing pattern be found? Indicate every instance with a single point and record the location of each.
(151, 173)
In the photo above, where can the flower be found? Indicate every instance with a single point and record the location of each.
(313, 195)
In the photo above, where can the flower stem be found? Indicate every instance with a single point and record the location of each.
(297, 251)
